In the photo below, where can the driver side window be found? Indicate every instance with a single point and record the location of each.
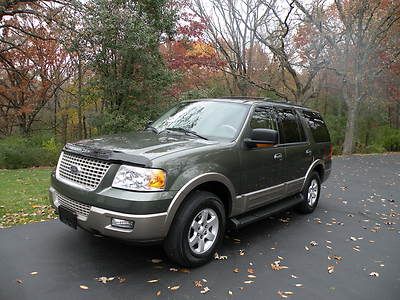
(263, 117)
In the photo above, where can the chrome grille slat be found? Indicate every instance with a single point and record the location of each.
(91, 172)
(77, 207)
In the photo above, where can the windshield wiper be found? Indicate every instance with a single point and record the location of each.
(187, 131)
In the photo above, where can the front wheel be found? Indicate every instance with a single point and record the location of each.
(310, 194)
(197, 230)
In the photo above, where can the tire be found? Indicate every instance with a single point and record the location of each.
(198, 205)
(310, 202)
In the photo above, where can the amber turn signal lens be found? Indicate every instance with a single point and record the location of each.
(157, 180)
(263, 145)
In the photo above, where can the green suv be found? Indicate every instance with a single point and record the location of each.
(204, 166)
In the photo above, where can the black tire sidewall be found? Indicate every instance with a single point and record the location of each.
(177, 240)
(305, 207)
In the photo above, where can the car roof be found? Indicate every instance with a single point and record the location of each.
(253, 100)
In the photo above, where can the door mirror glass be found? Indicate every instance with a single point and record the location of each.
(261, 137)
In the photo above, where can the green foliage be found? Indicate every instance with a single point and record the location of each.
(24, 196)
(391, 139)
(112, 122)
(124, 37)
(22, 152)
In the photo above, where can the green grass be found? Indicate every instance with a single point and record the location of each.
(24, 196)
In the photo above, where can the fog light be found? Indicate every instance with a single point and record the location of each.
(122, 223)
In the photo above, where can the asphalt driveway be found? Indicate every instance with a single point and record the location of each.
(349, 248)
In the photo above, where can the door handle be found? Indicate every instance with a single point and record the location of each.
(278, 156)
(308, 152)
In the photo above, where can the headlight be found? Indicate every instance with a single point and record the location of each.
(139, 179)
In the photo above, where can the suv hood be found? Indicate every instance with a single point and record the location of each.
(137, 147)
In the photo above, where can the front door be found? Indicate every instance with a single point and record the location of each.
(262, 166)
(298, 150)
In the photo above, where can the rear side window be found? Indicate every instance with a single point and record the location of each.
(317, 126)
(290, 127)
(263, 117)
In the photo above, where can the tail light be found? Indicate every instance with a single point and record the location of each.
(330, 151)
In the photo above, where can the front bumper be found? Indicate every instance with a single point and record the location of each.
(147, 227)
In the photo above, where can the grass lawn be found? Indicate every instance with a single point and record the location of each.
(23, 196)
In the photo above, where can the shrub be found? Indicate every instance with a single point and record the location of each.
(391, 141)
(23, 152)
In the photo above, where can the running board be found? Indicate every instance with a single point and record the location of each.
(263, 212)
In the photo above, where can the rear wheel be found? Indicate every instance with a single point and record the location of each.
(310, 194)
(197, 230)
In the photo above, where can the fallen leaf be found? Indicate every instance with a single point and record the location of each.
(156, 260)
(19, 281)
(152, 281)
(241, 252)
(198, 283)
(84, 287)
(175, 287)
(173, 269)
(121, 279)
(251, 276)
(235, 270)
(33, 273)
(331, 269)
(230, 292)
(334, 257)
(374, 274)
(205, 290)
(284, 294)
(277, 267)
(220, 257)
(158, 294)
(184, 270)
(250, 270)
(248, 281)
(313, 243)
(104, 279)
(298, 285)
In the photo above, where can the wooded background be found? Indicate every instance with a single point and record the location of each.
(77, 69)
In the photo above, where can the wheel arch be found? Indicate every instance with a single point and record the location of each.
(215, 183)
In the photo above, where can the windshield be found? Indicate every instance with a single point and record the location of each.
(210, 119)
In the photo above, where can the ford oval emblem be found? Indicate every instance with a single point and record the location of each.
(75, 169)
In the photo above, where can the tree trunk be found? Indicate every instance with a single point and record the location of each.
(350, 129)
(79, 98)
(64, 128)
(55, 113)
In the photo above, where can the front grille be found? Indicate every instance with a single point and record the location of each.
(76, 207)
(81, 171)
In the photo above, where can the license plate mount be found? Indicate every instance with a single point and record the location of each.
(67, 217)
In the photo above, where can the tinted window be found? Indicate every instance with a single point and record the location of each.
(317, 126)
(263, 117)
(290, 127)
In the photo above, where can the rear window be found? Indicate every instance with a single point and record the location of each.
(317, 126)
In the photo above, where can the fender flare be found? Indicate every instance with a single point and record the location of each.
(311, 168)
(190, 186)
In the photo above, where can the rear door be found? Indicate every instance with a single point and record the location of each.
(298, 152)
(322, 148)
(263, 166)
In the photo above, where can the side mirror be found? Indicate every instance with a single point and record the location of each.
(261, 137)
